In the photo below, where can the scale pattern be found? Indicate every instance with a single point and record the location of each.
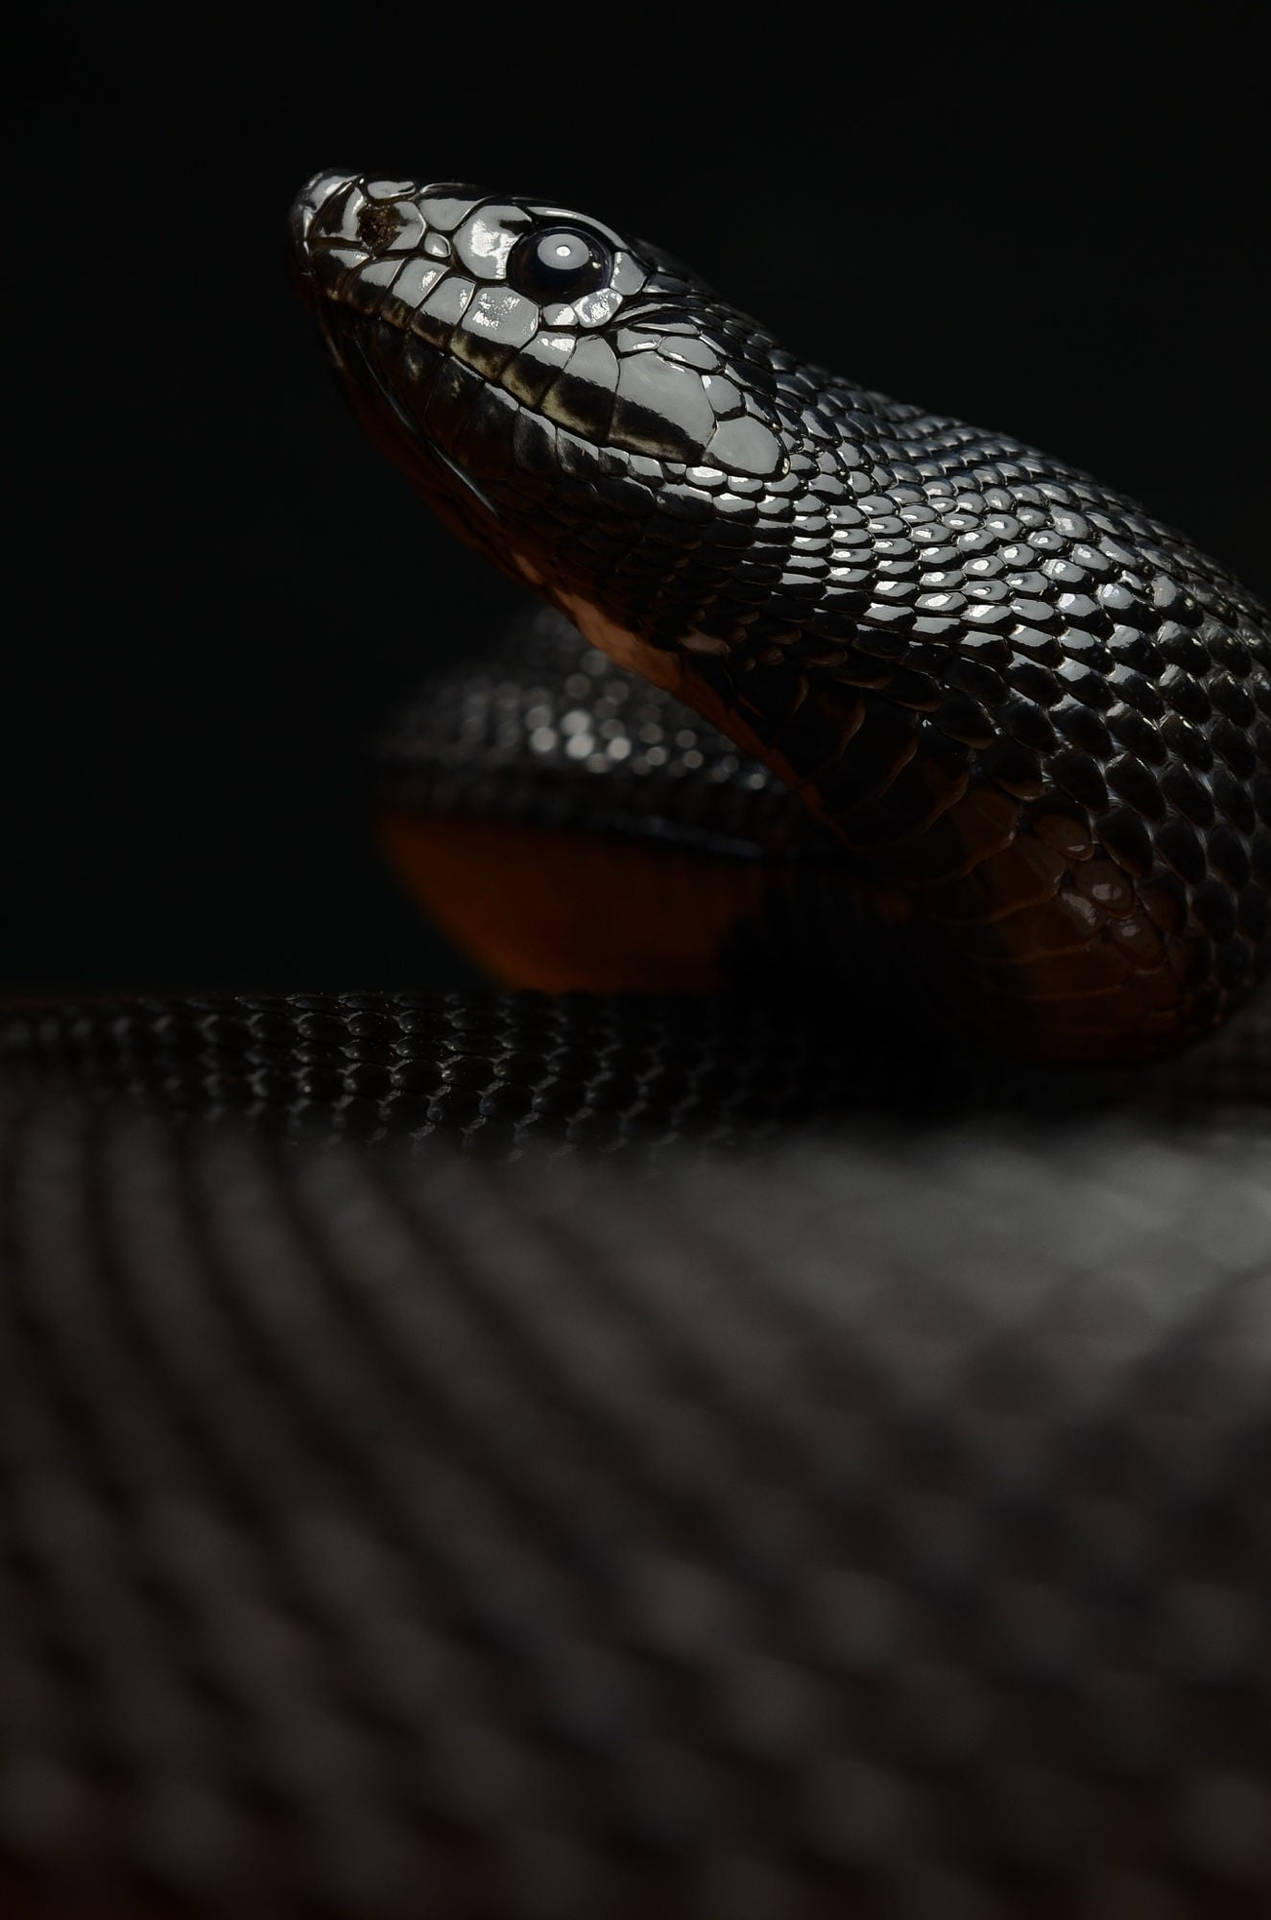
(489, 1072)
(548, 732)
(641, 1075)
(382, 1538)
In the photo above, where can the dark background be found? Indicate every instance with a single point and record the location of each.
(1050, 220)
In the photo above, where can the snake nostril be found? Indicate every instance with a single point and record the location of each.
(378, 226)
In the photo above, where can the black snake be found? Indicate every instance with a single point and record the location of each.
(870, 1522)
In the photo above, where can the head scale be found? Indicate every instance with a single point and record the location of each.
(571, 401)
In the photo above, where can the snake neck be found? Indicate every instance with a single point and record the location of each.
(1030, 713)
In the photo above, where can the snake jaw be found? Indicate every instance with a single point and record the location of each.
(429, 448)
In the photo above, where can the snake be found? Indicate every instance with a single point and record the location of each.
(871, 1519)
(1033, 723)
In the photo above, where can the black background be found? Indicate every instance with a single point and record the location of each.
(1049, 220)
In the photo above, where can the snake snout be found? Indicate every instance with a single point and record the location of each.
(315, 194)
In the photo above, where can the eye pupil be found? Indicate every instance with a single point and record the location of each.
(559, 264)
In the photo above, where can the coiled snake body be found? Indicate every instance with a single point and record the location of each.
(1036, 723)
(873, 1525)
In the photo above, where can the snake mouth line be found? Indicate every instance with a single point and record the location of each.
(420, 441)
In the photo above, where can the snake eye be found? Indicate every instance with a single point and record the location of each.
(558, 264)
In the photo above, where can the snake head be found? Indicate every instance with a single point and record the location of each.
(572, 401)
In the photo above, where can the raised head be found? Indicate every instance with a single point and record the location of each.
(567, 397)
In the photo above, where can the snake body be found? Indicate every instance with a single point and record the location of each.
(1035, 723)
(871, 1525)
